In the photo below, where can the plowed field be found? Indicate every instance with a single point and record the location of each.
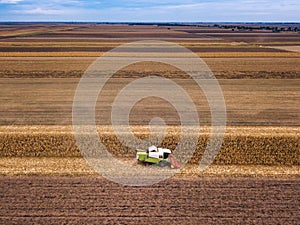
(45, 200)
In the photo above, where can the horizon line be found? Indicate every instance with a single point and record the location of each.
(160, 22)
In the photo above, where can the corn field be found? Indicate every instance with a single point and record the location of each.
(241, 146)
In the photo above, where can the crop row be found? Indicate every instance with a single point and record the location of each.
(237, 149)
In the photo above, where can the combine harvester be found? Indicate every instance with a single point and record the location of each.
(159, 156)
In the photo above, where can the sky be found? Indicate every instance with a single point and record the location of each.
(151, 10)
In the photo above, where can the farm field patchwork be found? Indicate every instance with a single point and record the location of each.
(41, 65)
(254, 178)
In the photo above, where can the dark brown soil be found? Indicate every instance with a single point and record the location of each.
(105, 49)
(119, 35)
(45, 200)
(256, 37)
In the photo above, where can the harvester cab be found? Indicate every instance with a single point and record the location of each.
(160, 156)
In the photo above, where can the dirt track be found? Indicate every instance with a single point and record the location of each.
(45, 200)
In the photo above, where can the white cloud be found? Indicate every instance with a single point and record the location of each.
(43, 11)
(185, 6)
(9, 1)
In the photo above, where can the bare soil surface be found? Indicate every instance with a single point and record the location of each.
(105, 49)
(90, 200)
